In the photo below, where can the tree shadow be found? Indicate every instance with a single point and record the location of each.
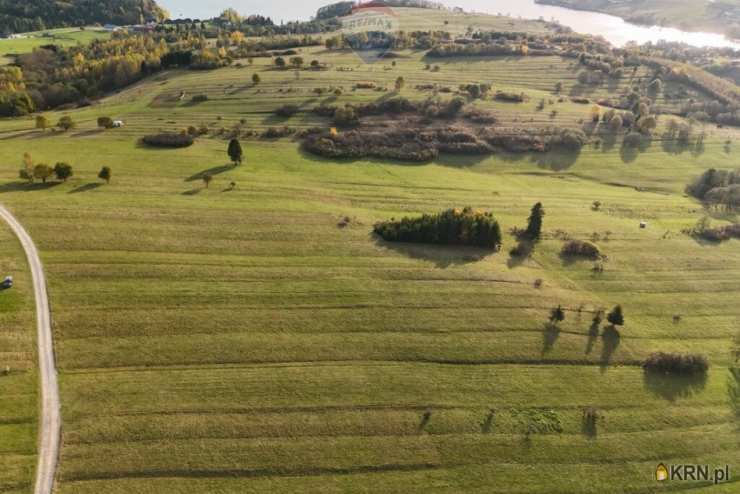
(589, 423)
(211, 171)
(671, 387)
(550, 336)
(88, 133)
(425, 418)
(487, 426)
(611, 340)
(443, 256)
(628, 154)
(593, 335)
(608, 141)
(86, 188)
(558, 159)
(192, 192)
(26, 186)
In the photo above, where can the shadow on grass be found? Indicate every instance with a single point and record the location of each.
(487, 426)
(86, 187)
(425, 418)
(671, 387)
(443, 256)
(216, 170)
(26, 186)
(192, 192)
(550, 336)
(88, 133)
(593, 334)
(611, 340)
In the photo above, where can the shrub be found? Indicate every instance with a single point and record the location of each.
(510, 97)
(451, 227)
(581, 248)
(676, 363)
(66, 123)
(199, 98)
(277, 132)
(286, 111)
(105, 122)
(63, 171)
(168, 140)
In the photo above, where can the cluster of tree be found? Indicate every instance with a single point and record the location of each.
(340, 9)
(53, 76)
(519, 140)
(349, 115)
(168, 140)
(531, 235)
(31, 171)
(418, 40)
(36, 15)
(720, 187)
(676, 364)
(717, 234)
(452, 227)
(581, 248)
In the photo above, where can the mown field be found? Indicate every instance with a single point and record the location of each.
(18, 376)
(231, 341)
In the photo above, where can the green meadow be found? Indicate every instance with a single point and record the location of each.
(18, 384)
(60, 37)
(239, 340)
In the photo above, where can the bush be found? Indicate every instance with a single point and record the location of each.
(105, 122)
(581, 248)
(676, 363)
(168, 140)
(199, 98)
(286, 111)
(277, 132)
(510, 97)
(451, 227)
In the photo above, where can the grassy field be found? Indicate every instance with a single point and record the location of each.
(60, 37)
(18, 377)
(231, 341)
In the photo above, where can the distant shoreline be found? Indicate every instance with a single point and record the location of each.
(645, 20)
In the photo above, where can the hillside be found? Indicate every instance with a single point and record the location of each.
(233, 329)
(37, 15)
(721, 16)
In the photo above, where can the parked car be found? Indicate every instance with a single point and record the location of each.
(7, 283)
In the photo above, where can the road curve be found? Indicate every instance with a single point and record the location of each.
(50, 431)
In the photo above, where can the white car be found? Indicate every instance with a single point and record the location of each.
(7, 283)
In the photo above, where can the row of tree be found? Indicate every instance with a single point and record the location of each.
(31, 171)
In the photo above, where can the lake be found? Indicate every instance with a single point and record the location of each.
(614, 29)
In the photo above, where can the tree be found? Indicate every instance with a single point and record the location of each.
(207, 178)
(534, 225)
(42, 122)
(557, 315)
(105, 122)
(296, 62)
(105, 174)
(256, 79)
(615, 317)
(63, 171)
(235, 152)
(400, 82)
(280, 62)
(66, 123)
(42, 172)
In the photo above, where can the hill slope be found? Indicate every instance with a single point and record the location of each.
(35, 15)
